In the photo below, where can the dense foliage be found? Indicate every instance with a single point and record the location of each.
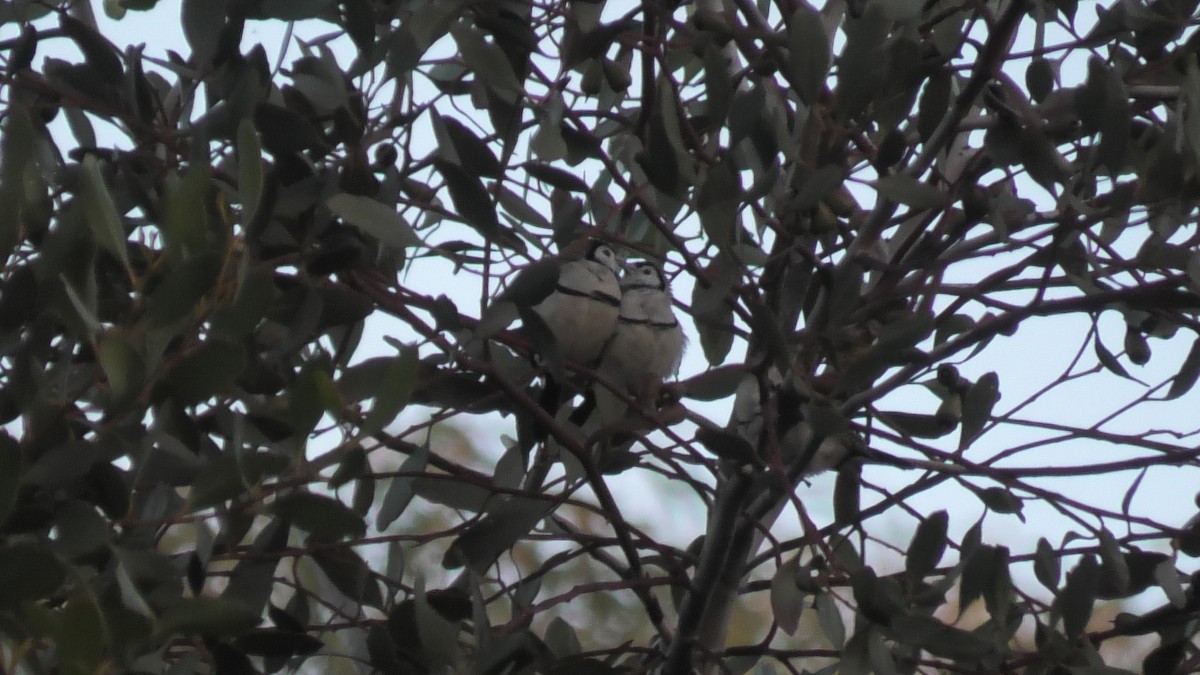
(860, 203)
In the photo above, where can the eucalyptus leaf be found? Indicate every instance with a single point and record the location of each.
(374, 219)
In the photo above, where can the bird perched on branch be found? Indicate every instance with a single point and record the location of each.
(645, 348)
(569, 310)
(582, 311)
(648, 343)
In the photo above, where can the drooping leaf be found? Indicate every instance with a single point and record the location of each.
(1039, 79)
(28, 571)
(395, 388)
(354, 465)
(718, 84)
(787, 600)
(726, 444)
(471, 200)
(374, 219)
(206, 371)
(1000, 500)
(438, 635)
(918, 425)
(487, 62)
(284, 131)
(1188, 373)
(253, 577)
(250, 170)
(187, 282)
(713, 384)
(556, 177)
(123, 367)
(520, 208)
(906, 190)
(101, 55)
(470, 151)
(1109, 361)
(977, 407)
(275, 643)
(930, 634)
(16, 152)
(83, 631)
(1115, 576)
(862, 64)
(1046, 564)
(214, 617)
(927, 546)
(717, 202)
(101, 212)
(808, 53)
(978, 571)
(10, 474)
(1078, 596)
(62, 465)
(829, 617)
(324, 517)
(227, 476)
(402, 489)
(502, 527)
(185, 225)
(351, 575)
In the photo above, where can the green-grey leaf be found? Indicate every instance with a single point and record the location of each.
(207, 371)
(123, 367)
(808, 53)
(977, 407)
(787, 600)
(250, 172)
(1188, 372)
(830, 619)
(907, 190)
(1108, 360)
(185, 221)
(438, 636)
(1046, 565)
(215, 617)
(1078, 596)
(468, 150)
(999, 500)
(182, 288)
(402, 489)
(502, 527)
(520, 208)
(395, 387)
(323, 517)
(927, 546)
(350, 574)
(918, 425)
(374, 219)
(471, 200)
(10, 474)
(227, 476)
(1039, 79)
(717, 202)
(1112, 563)
(83, 632)
(101, 212)
(487, 61)
(28, 571)
(16, 152)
